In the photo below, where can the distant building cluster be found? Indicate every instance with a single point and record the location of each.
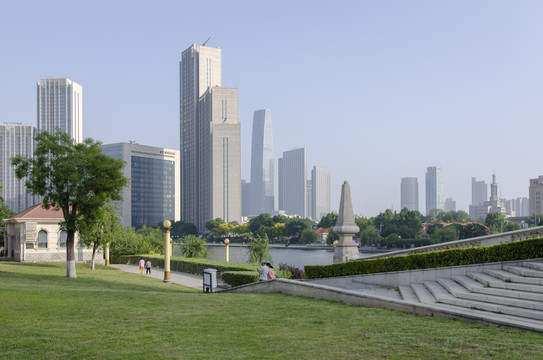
(481, 203)
(202, 180)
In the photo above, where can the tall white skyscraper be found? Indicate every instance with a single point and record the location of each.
(60, 107)
(434, 189)
(262, 190)
(293, 182)
(15, 139)
(209, 141)
(409, 193)
(320, 192)
(152, 194)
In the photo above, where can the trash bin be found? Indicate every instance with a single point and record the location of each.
(210, 280)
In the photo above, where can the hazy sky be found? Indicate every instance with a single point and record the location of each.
(374, 90)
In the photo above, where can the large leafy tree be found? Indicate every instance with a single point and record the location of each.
(194, 247)
(74, 177)
(100, 229)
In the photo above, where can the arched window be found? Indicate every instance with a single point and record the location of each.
(42, 239)
(63, 237)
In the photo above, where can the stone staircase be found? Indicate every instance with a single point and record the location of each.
(512, 296)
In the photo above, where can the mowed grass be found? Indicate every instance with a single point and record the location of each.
(108, 314)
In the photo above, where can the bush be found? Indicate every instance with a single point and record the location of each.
(295, 272)
(194, 247)
(189, 265)
(237, 278)
(527, 249)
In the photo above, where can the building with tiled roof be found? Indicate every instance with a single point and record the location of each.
(34, 234)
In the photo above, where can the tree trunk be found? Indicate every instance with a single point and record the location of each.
(93, 257)
(70, 255)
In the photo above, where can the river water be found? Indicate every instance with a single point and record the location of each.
(283, 255)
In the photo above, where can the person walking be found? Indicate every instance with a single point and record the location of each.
(271, 271)
(263, 271)
(142, 265)
(148, 267)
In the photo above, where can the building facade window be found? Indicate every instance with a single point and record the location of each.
(42, 239)
(63, 238)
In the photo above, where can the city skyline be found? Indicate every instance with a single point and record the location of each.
(420, 90)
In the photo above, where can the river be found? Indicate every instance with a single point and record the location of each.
(280, 255)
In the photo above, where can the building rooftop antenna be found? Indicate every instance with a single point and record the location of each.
(204, 44)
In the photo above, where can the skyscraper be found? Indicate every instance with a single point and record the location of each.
(536, 196)
(293, 182)
(434, 189)
(320, 192)
(261, 196)
(409, 193)
(15, 139)
(219, 160)
(60, 107)
(450, 205)
(152, 194)
(209, 141)
(479, 192)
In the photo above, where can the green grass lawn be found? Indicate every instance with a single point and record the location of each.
(107, 314)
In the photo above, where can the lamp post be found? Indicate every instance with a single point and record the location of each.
(167, 249)
(226, 243)
(107, 254)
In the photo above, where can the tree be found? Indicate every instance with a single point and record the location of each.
(328, 221)
(296, 225)
(100, 229)
(308, 236)
(194, 247)
(5, 212)
(369, 236)
(76, 178)
(444, 234)
(261, 220)
(259, 249)
(211, 224)
(180, 229)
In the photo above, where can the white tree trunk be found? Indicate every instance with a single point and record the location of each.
(93, 257)
(70, 255)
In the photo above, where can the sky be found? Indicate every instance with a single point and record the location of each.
(374, 90)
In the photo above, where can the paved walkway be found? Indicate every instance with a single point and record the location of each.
(185, 279)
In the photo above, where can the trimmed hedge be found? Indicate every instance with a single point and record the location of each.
(526, 249)
(198, 265)
(237, 278)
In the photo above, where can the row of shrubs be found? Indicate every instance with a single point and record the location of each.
(189, 265)
(527, 249)
(233, 274)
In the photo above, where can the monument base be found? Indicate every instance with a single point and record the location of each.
(346, 252)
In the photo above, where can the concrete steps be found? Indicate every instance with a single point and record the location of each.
(511, 295)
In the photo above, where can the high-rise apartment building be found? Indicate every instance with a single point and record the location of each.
(60, 107)
(209, 141)
(15, 139)
(536, 196)
(320, 192)
(409, 193)
(293, 182)
(152, 194)
(434, 189)
(262, 188)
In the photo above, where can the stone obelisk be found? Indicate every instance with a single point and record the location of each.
(346, 249)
